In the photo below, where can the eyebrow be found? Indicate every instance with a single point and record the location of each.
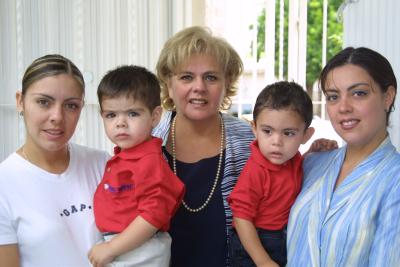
(52, 98)
(350, 87)
(205, 73)
(124, 111)
(284, 129)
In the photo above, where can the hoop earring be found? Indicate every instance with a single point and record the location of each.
(21, 113)
(166, 100)
(168, 103)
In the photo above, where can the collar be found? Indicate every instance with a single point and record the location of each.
(259, 158)
(152, 146)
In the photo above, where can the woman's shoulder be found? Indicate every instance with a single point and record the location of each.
(162, 129)
(84, 153)
(315, 163)
(316, 158)
(10, 164)
(237, 127)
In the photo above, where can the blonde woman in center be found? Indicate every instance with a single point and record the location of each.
(205, 148)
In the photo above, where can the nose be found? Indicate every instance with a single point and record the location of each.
(345, 105)
(199, 84)
(121, 121)
(276, 140)
(57, 114)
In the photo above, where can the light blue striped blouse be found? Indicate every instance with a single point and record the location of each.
(355, 225)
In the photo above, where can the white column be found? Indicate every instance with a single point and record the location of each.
(270, 41)
(297, 49)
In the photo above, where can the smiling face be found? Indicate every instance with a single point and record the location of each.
(280, 133)
(51, 106)
(356, 106)
(128, 122)
(198, 87)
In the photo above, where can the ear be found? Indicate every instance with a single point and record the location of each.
(156, 116)
(169, 84)
(20, 101)
(389, 97)
(254, 128)
(308, 134)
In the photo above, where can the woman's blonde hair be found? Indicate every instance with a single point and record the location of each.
(192, 41)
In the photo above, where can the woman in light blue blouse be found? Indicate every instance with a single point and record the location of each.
(348, 211)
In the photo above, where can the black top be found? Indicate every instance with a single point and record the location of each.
(199, 239)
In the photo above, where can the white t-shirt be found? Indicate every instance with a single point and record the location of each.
(50, 216)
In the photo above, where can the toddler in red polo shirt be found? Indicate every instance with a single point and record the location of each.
(272, 177)
(139, 193)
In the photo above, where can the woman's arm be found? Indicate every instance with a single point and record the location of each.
(9, 255)
(386, 244)
(251, 242)
(138, 232)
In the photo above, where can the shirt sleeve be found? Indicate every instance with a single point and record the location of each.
(8, 233)
(386, 244)
(159, 193)
(248, 192)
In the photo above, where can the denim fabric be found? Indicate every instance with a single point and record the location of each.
(274, 242)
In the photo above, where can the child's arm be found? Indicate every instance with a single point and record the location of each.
(251, 242)
(138, 232)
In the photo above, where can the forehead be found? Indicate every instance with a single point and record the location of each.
(122, 101)
(200, 62)
(280, 118)
(62, 85)
(345, 76)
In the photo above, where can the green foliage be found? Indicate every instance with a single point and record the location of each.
(314, 36)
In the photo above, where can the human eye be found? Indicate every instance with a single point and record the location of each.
(43, 102)
(185, 77)
(267, 131)
(289, 133)
(331, 97)
(133, 114)
(72, 106)
(359, 93)
(109, 115)
(211, 77)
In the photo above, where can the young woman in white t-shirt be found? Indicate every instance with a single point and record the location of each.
(47, 185)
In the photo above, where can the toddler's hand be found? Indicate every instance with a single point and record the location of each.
(100, 255)
(322, 144)
(270, 263)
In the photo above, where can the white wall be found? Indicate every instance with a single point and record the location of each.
(376, 24)
(97, 35)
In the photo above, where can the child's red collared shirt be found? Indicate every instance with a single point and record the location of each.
(137, 181)
(265, 192)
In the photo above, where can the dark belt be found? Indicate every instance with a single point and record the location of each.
(109, 233)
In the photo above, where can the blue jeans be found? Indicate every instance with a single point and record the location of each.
(274, 242)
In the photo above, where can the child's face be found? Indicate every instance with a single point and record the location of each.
(280, 134)
(128, 122)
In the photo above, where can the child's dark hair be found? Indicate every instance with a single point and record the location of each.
(285, 95)
(131, 81)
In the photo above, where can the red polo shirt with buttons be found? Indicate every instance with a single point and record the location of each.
(265, 192)
(137, 181)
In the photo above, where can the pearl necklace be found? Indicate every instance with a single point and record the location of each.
(221, 153)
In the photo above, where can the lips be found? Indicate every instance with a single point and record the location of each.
(349, 124)
(122, 136)
(198, 101)
(54, 132)
(276, 154)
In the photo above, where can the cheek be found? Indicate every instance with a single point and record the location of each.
(330, 110)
